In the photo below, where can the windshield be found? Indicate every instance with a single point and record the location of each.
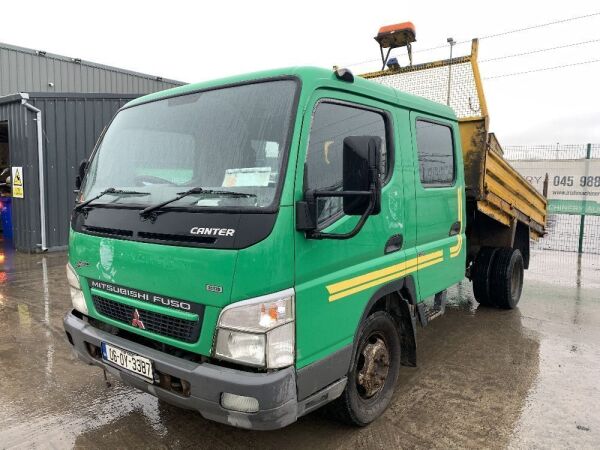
(227, 141)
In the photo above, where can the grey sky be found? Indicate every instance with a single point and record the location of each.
(195, 41)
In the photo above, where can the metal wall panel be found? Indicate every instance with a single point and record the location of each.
(71, 125)
(25, 70)
(23, 152)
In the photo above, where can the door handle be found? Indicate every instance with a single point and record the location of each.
(454, 228)
(393, 244)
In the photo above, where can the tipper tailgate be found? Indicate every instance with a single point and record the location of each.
(508, 196)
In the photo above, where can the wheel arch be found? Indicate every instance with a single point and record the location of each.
(397, 298)
(521, 242)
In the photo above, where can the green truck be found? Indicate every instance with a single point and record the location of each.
(256, 247)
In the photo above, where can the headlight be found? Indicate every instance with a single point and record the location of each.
(258, 332)
(76, 293)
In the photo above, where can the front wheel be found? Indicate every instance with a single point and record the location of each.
(373, 373)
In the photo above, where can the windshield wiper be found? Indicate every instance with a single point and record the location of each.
(111, 190)
(195, 190)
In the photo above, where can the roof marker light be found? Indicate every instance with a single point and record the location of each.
(344, 74)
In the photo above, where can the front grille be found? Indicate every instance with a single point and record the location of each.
(102, 231)
(176, 237)
(180, 329)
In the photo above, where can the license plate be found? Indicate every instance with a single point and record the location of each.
(127, 360)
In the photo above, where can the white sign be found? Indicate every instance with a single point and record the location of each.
(17, 182)
(573, 184)
(251, 176)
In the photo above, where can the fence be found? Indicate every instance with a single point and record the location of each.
(573, 223)
(551, 152)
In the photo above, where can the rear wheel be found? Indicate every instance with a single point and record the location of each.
(506, 283)
(482, 272)
(373, 373)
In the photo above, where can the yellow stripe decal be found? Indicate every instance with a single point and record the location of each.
(430, 256)
(430, 263)
(346, 284)
(377, 277)
(455, 249)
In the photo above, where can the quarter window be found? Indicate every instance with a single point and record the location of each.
(332, 122)
(436, 153)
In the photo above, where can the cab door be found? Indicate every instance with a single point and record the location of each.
(439, 193)
(335, 278)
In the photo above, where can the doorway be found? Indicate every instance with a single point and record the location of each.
(6, 229)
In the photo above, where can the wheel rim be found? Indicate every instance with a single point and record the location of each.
(373, 366)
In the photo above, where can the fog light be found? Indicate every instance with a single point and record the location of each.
(239, 402)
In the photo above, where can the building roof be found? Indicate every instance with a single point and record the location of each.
(18, 97)
(27, 70)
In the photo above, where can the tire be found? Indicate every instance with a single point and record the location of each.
(482, 270)
(506, 283)
(365, 397)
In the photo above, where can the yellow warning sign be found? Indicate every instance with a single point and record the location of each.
(17, 182)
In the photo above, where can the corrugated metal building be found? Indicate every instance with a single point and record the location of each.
(72, 102)
(26, 70)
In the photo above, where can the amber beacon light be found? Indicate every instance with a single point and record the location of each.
(394, 36)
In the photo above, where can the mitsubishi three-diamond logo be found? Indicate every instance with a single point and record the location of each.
(136, 321)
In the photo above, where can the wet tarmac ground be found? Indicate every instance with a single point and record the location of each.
(527, 378)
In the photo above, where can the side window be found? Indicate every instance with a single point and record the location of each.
(436, 153)
(332, 123)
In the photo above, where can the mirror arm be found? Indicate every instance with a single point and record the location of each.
(361, 154)
(361, 222)
(306, 214)
(317, 194)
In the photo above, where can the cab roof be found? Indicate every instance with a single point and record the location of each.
(312, 78)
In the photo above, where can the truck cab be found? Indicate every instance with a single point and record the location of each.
(256, 247)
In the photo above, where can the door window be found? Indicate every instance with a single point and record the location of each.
(436, 154)
(332, 122)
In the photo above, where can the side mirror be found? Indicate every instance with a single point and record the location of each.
(361, 188)
(361, 163)
(83, 166)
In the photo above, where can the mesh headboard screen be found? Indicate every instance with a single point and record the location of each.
(431, 82)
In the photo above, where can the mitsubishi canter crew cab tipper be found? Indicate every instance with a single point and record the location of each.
(256, 247)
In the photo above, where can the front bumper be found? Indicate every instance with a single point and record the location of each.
(275, 391)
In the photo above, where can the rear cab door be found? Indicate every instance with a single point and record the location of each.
(439, 194)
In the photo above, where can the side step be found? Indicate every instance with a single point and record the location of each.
(427, 314)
